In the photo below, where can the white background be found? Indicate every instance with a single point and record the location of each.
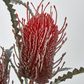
(74, 10)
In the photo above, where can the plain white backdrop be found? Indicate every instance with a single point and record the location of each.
(74, 11)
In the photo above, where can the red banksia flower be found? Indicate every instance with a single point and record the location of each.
(41, 40)
(3, 79)
(1, 73)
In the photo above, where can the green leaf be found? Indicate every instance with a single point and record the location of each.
(69, 75)
(12, 11)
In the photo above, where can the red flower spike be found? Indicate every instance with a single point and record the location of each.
(4, 71)
(3, 77)
(1, 73)
(41, 39)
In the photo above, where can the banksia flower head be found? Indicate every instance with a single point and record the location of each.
(41, 40)
(1, 73)
(3, 79)
(4, 72)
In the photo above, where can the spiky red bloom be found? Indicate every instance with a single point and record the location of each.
(1, 73)
(3, 77)
(40, 42)
(4, 69)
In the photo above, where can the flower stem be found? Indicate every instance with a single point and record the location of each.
(26, 81)
(21, 81)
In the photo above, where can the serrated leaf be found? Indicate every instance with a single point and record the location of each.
(69, 75)
(12, 11)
